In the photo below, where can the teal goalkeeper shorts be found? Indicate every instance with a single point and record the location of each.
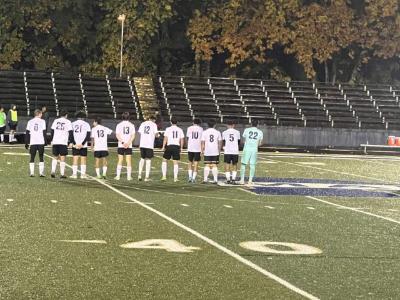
(249, 156)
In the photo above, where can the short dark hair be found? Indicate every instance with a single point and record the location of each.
(125, 115)
(80, 114)
(98, 120)
(197, 121)
(211, 123)
(174, 121)
(152, 117)
(63, 113)
(230, 123)
(254, 122)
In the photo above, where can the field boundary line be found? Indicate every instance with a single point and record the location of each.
(209, 241)
(354, 209)
(328, 170)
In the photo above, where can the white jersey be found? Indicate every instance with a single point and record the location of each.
(148, 131)
(211, 137)
(231, 137)
(194, 134)
(81, 129)
(174, 135)
(100, 135)
(61, 127)
(36, 126)
(125, 130)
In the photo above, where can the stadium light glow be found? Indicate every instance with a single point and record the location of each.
(121, 18)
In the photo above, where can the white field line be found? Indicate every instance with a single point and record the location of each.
(84, 241)
(354, 209)
(333, 171)
(209, 241)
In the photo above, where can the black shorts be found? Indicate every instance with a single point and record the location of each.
(194, 156)
(146, 153)
(231, 159)
(211, 159)
(13, 125)
(123, 151)
(100, 154)
(172, 151)
(2, 129)
(36, 148)
(79, 152)
(61, 150)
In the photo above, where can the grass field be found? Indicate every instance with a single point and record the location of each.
(357, 233)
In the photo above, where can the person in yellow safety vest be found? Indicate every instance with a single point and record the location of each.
(3, 119)
(12, 122)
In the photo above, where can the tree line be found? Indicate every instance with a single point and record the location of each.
(327, 40)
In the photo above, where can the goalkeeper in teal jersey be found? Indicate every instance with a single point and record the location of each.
(252, 138)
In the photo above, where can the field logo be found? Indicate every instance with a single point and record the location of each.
(323, 187)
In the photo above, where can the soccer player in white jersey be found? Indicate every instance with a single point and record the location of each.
(99, 137)
(61, 133)
(81, 133)
(125, 133)
(35, 140)
(193, 135)
(231, 140)
(172, 147)
(211, 142)
(148, 132)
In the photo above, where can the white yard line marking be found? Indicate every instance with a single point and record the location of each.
(354, 209)
(84, 241)
(210, 242)
(309, 207)
(248, 191)
(16, 154)
(334, 171)
(97, 202)
(311, 163)
(10, 200)
(228, 206)
(53, 201)
(393, 210)
(185, 205)
(270, 207)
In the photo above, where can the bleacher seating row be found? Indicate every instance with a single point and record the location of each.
(296, 103)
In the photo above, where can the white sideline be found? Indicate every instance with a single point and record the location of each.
(354, 209)
(209, 241)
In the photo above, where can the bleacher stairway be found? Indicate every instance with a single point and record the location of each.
(146, 96)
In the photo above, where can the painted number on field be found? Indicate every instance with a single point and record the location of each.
(280, 248)
(167, 245)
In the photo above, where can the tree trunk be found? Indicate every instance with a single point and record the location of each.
(357, 66)
(326, 71)
(198, 68)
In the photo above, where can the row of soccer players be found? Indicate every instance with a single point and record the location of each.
(77, 134)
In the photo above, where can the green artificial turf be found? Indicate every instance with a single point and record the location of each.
(360, 253)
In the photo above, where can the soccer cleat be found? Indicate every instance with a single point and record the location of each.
(117, 178)
(139, 178)
(129, 178)
(42, 175)
(204, 182)
(104, 177)
(31, 175)
(53, 175)
(63, 177)
(73, 177)
(215, 182)
(190, 180)
(176, 180)
(99, 177)
(147, 180)
(228, 182)
(163, 178)
(250, 184)
(83, 176)
(241, 182)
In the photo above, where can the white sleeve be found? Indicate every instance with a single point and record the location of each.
(28, 126)
(140, 128)
(92, 134)
(53, 126)
(109, 131)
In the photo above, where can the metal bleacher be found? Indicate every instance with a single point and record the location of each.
(273, 103)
